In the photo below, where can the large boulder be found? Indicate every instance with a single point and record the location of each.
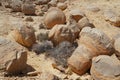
(92, 42)
(105, 68)
(60, 33)
(13, 56)
(54, 16)
(80, 62)
(96, 40)
(24, 35)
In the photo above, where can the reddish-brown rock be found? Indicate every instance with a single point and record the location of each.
(54, 16)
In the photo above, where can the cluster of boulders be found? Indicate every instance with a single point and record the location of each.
(33, 7)
(74, 43)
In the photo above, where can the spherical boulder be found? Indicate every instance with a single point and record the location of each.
(54, 16)
(24, 35)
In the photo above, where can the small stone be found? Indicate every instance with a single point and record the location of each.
(30, 19)
(77, 14)
(28, 9)
(84, 22)
(53, 3)
(35, 73)
(62, 6)
(93, 8)
(112, 18)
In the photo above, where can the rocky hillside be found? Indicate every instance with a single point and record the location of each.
(59, 40)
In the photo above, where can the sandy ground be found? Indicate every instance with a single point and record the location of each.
(8, 21)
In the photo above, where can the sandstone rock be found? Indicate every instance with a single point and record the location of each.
(42, 35)
(62, 6)
(117, 46)
(92, 42)
(77, 14)
(54, 16)
(80, 62)
(13, 56)
(112, 17)
(105, 68)
(28, 9)
(44, 8)
(24, 35)
(61, 53)
(84, 22)
(53, 3)
(42, 47)
(60, 33)
(16, 5)
(96, 40)
(29, 18)
(93, 8)
(74, 27)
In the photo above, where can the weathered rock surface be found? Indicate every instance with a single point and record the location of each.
(74, 27)
(28, 9)
(92, 42)
(62, 6)
(60, 33)
(77, 14)
(24, 35)
(80, 62)
(13, 56)
(112, 17)
(84, 22)
(117, 46)
(105, 68)
(54, 16)
(96, 40)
